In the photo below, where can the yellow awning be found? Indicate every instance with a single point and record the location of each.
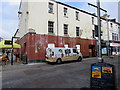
(6, 44)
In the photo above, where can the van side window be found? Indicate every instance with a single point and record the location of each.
(75, 51)
(67, 51)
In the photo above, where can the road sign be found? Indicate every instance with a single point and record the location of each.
(102, 76)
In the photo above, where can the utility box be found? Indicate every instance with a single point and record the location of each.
(102, 77)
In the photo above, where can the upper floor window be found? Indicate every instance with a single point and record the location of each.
(93, 20)
(77, 15)
(93, 33)
(50, 27)
(118, 27)
(115, 36)
(77, 31)
(65, 29)
(111, 25)
(65, 11)
(50, 8)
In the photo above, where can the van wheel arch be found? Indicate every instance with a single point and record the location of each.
(79, 59)
(59, 60)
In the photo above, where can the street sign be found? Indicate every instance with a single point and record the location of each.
(114, 44)
(102, 76)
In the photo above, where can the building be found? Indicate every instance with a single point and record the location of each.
(55, 24)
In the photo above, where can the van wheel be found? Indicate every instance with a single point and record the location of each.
(59, 61)
(79, 59)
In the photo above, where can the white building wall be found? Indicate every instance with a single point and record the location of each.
(38, 18)
(22, 19)
(84, 22)
(113, 29)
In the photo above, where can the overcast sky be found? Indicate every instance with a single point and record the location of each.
(9, 15)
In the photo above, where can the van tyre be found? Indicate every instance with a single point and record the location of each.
(59, 61)
(79, 59)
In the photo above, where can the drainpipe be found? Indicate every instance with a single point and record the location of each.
(57, 25)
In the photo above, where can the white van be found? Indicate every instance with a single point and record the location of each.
(59, 55)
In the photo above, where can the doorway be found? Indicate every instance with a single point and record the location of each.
(92, 50)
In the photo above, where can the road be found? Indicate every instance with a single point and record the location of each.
(43, 75)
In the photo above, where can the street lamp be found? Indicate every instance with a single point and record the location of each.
(12, 50)
(99, 29)
(106, 16)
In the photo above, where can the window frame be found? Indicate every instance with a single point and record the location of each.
(77, 15)
(50, 7)
(93, 20)
(65, 29)
(77, 31)
(65, 12)
(50, 27)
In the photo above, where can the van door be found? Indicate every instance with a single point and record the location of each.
(68, 55)
(75, 54)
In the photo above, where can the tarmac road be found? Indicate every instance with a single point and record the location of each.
(43, 75)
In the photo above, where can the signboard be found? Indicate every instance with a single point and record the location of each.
(96, 72)
(114, 44)
(102, 76)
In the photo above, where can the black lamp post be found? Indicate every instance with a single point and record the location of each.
(12, 50)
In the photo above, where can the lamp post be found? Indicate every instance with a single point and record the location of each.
(106, 16)
(99, 32)
(12, 50)
(108, 43)
(99, 29)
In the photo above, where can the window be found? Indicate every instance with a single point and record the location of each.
(50, 8)
(67, 51)
(66, 45)
(77, 31)
(75, 51)
(93, 33)
(51, 45)
(111, 25)
(50, 27)
(93, 20)
(65, 11)
(78, 47)
(65, 29)
(117, 37)
(113, 36)
(77, 15)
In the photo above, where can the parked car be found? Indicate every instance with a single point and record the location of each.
(60, 55)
